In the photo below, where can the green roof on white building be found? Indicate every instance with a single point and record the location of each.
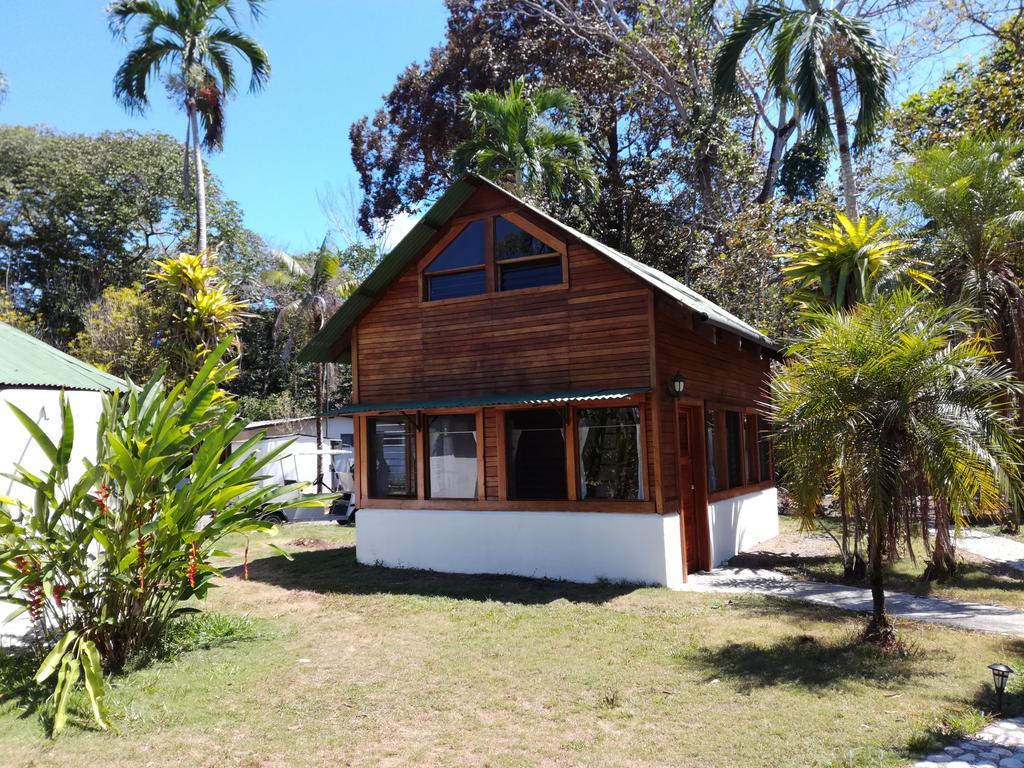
(25, 361)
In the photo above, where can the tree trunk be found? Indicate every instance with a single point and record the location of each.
(320, 427)
(880, 630)
(943, 560)
(780, 138)
(197, 158)
(186, 172)
(879, 621)
(842, 133)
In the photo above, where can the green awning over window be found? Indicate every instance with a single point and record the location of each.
(480, 401)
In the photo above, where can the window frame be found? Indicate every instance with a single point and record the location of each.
(641, 437)
(416, 464)
(478, 415)
(494, 435)
(749, 473)
(492, 267)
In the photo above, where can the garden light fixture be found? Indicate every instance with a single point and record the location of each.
(1000, 674)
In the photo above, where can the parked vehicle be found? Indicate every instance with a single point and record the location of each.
(298, 464)
(339, 478)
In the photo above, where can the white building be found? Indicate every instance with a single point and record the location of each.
(32, 377)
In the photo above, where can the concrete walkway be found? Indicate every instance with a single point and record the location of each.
(1000, 745)
(981, 618)
(999, 549)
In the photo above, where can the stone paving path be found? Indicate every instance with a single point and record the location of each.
(1000, 549)
(1000, 745)
(982, 618)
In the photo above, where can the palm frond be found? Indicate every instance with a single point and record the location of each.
(140, 66)
(758, 20)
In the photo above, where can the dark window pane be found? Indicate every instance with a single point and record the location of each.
(530, 274)
(750, 448)
(733, 455)
(471, 283)
(512, 242)
(764, 449)
(466, 250)
(536, 454)
(712, 449)
(609, 444)
(392, 455)
(452, 442)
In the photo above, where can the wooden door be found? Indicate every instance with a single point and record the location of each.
(688, 435)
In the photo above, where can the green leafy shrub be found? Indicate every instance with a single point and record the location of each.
(103, 561)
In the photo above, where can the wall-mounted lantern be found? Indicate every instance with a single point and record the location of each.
(678, 385)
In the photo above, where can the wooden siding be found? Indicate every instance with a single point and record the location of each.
(603, 328)
(718, 369)
(593, 334)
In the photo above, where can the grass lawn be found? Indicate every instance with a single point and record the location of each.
(817, 558)
(361, 666)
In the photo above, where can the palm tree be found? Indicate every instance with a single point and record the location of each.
(849, 262)
(812, 51)
(888, 399)
(526, 141)
(192, 45)
(313, 287)
(971, 196)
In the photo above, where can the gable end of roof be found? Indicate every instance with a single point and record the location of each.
(319, 348)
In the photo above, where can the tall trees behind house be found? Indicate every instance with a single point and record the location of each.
(971, 198)
(850, 262)
(102, 207)
(528, 141)
(651, 202)
(191, 45)
(817, 57)
(312, 288)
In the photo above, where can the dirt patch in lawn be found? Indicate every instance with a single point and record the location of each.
(308, 543)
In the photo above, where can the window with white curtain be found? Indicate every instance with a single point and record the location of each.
(609, 445)
(452, 452)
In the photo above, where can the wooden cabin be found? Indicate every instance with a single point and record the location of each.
(527, 400)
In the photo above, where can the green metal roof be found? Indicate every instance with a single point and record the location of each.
(319, 347)
(25, 361)
(479, 401)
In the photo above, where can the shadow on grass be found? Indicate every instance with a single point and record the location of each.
(804, 661)
(335, 571)
(17, 688)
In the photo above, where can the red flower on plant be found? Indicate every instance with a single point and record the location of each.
(192, 566)
(101, 496)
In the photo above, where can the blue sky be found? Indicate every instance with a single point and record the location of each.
(332, 59)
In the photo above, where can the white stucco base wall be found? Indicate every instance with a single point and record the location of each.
(575, 546)
(43, 406)
(742, 522)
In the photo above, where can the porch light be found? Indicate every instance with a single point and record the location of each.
(1000, 674)
(678, 384)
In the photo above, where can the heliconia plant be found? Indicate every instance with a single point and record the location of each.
(105, 555)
